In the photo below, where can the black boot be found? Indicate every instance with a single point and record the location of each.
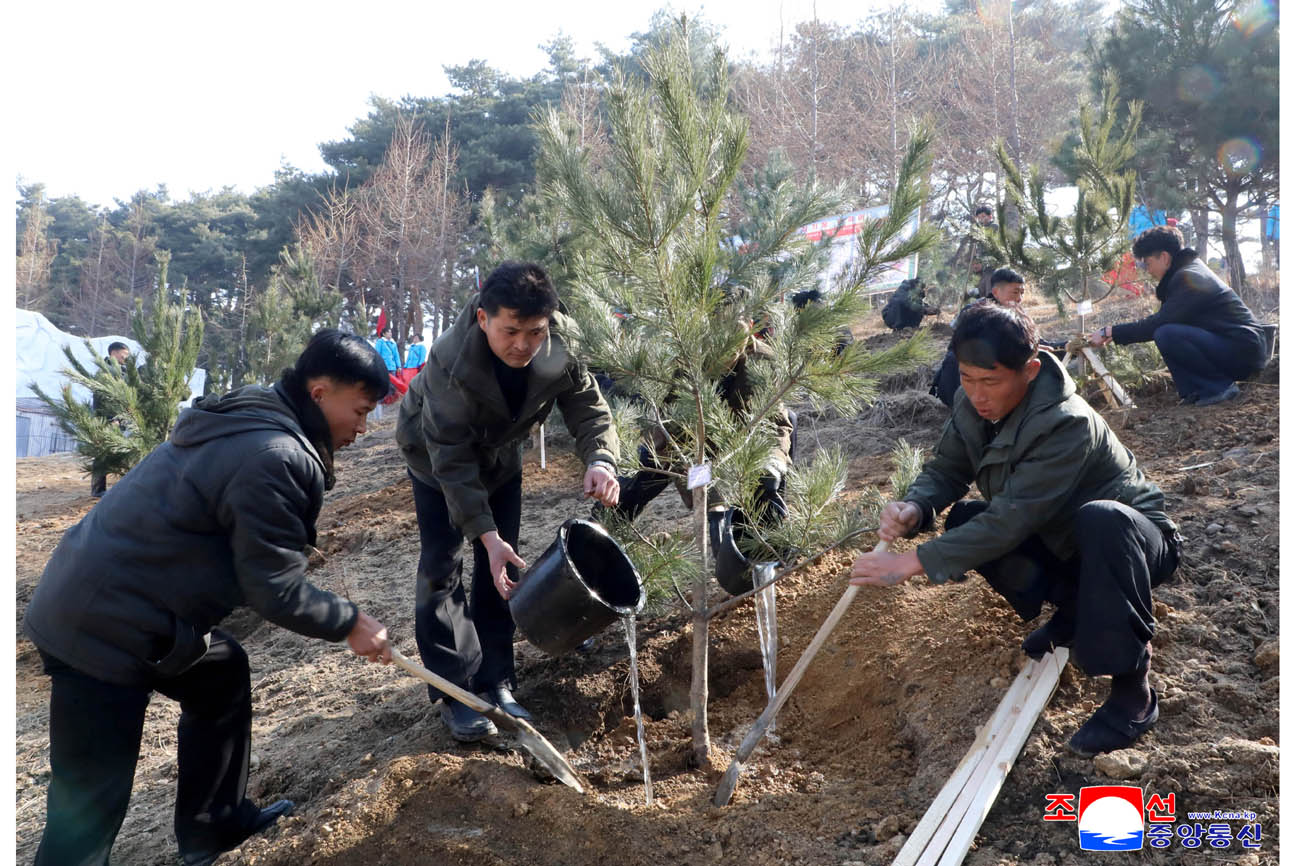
(466, 725)
(1057, 631)
(264, 819)
(1130, 711)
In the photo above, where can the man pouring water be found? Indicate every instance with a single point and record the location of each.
(495, 374)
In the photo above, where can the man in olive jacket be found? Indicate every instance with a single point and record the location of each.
(489, 380)
(1066, 516)
(1207, 336)
(216, 517)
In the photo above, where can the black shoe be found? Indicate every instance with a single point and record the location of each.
(1057, 631)
(1110, 729)
(466, 725)
(501, 697)
(1229, 393)
(265, 818)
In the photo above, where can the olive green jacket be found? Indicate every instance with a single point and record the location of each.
(1052, 455)
(456, 432)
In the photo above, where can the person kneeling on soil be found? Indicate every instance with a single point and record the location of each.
(1067, 517)
(216, 517)
(1208, 338)
(489, 380)
(907, 306)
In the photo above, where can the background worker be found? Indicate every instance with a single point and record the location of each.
(387, 350)
(1208, 337)
(416, 353)
(118, 352)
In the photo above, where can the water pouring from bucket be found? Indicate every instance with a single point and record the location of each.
(579, 586)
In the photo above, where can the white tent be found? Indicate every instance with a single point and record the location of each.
(41, 362)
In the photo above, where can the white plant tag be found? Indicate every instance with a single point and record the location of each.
(698, 476)
(1085, 307)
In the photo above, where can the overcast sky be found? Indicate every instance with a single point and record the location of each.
(111, 98)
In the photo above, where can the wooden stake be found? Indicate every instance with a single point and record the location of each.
(957, 782)
(1116, 391)
(944, 834)
(1004, 756)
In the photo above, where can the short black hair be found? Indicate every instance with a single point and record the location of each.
(803, 299)
(117, 345)
(1158, 239)
(520, 286)
(1005, 275)
(417, 337)
(387, 329)
(983, 209)
(344, 358)
(987, 333)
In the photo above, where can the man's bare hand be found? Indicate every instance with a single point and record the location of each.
(500, 554)
(884, 568)
(897, 519)
(601, 484)
(369, 639)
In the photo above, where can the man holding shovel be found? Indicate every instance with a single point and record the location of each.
(489, 380)
(1066, 517)
(216, 517)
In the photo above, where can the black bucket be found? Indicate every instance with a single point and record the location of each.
(582, 583)
(731, 567)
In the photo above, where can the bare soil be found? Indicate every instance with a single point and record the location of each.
(875, 727)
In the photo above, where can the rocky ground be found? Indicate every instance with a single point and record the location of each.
(877, 724)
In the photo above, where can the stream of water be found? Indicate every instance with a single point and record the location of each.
(765, 611)
(629, 628)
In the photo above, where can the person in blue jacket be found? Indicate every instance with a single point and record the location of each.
(416, 353)
(387, 350)
(1208, 338)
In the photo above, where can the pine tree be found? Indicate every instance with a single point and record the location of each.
(291, 309)
(1068, 254)
(135, 407)
(653, 216)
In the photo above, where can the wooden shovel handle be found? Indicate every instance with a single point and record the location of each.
(747, 746)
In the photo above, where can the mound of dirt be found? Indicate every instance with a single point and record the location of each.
(878, 722)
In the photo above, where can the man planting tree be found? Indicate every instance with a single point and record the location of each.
(1066, 517)
(216, 517)
(1208, 338)
(489, 380)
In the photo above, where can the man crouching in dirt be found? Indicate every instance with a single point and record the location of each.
(216, 517)
(489, 380)
(1067, 517)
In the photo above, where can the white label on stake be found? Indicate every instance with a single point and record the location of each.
(1085, 307)
(698, 476)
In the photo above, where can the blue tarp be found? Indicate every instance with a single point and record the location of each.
(1140, 219)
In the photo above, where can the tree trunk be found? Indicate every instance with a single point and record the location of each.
(700, 638)
(1232, 263)
(1201, 225)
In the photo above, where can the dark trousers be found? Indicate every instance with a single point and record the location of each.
(947, 379)
(469, 643)
(1105, 589)
(95, 730)
(1203, 364)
